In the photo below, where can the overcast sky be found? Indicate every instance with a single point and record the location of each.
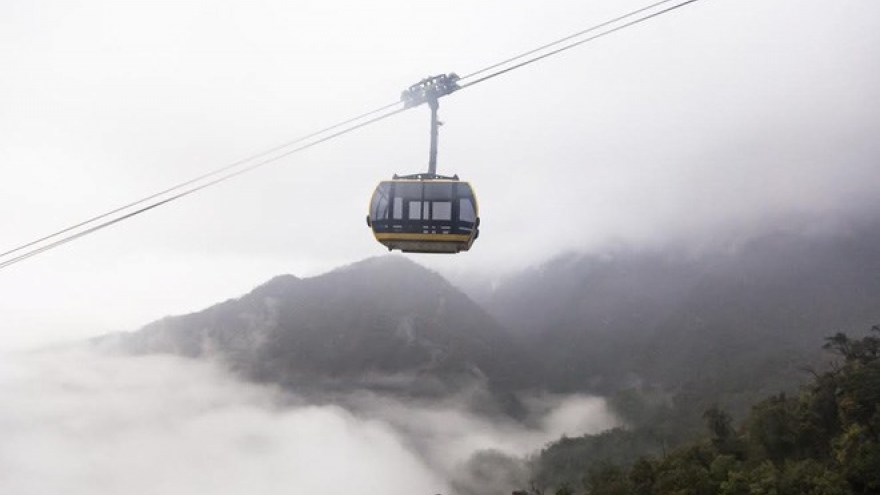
(720, 117)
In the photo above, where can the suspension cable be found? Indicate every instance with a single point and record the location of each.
(237, 168)
(563, 40)
(187, 192)
(573, 45)
(197, 179)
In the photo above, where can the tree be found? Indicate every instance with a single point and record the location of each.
(823, 441)
(772, 428)
(608, 479)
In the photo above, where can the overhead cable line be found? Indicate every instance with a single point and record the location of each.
(187, 192)
(563, 40)
(264, 158)
(575, 44)
(194, 180)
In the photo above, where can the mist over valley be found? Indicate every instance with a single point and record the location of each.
(675, 288)
(387, 373)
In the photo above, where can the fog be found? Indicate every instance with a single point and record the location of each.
(692, 130)
(718, 120)
(82, 422)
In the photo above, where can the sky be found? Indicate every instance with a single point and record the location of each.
(716, 120)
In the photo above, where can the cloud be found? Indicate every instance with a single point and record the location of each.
(720, 117)
(78, 422)
(82, 423)
(481, 454)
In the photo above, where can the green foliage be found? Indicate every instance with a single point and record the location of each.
(686, 472)
(773, 428)
(643, 476)
(760, 480)
(608, 479)
(811, 477)
(568, 460)
(723, 435)
(823, 441)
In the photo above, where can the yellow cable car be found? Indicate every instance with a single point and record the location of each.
(424, 214)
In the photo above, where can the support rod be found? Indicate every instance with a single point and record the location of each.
(430, 90)
(435, 124)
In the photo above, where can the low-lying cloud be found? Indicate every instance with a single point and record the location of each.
(78, 422)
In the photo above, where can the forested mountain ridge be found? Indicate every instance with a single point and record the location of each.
(383, 323)
(824, 440)
(662, 336)
(727, 326)
(747, 318)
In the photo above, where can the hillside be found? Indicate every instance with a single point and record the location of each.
(717, 325)
(382, 324)
(822, 440)
(666, 328)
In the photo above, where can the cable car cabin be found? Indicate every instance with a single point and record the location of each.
(424, 215)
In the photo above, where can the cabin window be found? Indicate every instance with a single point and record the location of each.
(408, 190)
(467, 212)
(398, 208)
(438, 191)
(441, 210)
(379, 208)
(415, 210)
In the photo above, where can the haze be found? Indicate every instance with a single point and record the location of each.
(720, 118)
(690, 132)
(83, 422)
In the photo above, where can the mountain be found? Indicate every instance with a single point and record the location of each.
(382, 324)
(744, 320)
(728, 325)
(662, 335)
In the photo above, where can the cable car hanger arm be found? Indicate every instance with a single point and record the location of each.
(430, 90)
